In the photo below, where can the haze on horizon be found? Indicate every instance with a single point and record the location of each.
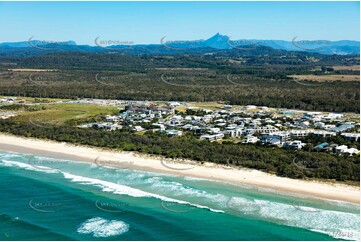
(148, 22)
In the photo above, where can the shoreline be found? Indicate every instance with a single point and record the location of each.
(210, 171)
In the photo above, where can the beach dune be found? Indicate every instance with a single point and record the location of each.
(245, 177)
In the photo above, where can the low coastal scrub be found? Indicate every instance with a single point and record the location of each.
(287, 163)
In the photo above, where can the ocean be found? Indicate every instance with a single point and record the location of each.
(52, 199)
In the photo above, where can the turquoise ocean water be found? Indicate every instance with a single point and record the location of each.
(51, 199)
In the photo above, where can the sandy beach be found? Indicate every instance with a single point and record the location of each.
(246, 177)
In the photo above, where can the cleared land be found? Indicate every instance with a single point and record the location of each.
(207, 105)
(325, 78)
(341, 68)
(33, 70)
(60, 113)
(182, 69)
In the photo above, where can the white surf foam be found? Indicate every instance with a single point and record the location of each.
(105, 185)
(28, 166)
(126, 190)
(100, 227)
(333, 223)
(179, 189)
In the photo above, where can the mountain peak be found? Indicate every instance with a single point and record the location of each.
(218, 35)
(218, 41)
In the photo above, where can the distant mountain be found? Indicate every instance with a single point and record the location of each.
(215, 43)
(34, 43)
(218, 42)
(22, 44)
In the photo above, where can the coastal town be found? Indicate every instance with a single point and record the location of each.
(248, 125)
(283, 128)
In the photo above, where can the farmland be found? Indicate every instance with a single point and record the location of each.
(326, 78)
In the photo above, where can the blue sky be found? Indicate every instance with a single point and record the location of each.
(148, 22)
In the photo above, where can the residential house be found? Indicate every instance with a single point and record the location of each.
(321, 146)
(267, 129)
(321, 133)
(138, 129)
(341, 148)
(351, 152)
(296, 144)
(250, 139)
(212, 137)
(351, 136)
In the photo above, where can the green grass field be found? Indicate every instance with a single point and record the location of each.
(58, 114)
